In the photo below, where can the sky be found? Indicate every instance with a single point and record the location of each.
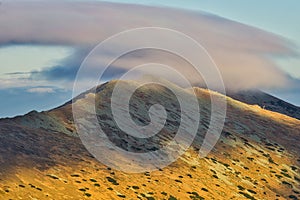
(39, 56)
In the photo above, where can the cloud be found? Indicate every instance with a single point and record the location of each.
(242, 53)
(41, 90)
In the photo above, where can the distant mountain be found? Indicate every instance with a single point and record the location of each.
(257, 156)
(266, 101)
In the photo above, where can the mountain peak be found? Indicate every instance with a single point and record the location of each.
(257, 147)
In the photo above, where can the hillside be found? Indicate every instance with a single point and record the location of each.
(257, 156)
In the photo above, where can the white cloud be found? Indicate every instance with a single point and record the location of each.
(41, 90)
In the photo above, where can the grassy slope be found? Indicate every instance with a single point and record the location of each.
(256, 158)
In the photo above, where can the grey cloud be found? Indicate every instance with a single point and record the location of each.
(18, 73)
(68, 68)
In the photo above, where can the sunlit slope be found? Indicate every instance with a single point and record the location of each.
(257, 156)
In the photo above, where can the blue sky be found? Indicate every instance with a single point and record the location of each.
(20, 60)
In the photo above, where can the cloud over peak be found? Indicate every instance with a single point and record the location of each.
(242, 53)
